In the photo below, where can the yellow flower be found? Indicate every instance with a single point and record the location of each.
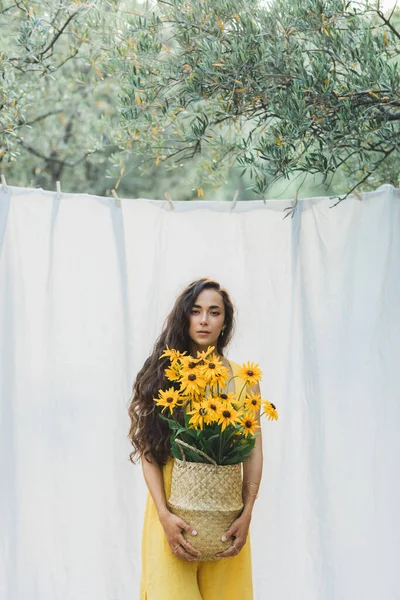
(250, 372)
(252, 403)
(220, 378)
(192, 383)
(214, 371)
(225, 397)
(189, 363)
(211, 366)
(176, 363)
(249, 424)
(229, 416)
(168, 399)
(172, 374)
(172, 354)
(199, 416)
(270, 410)
(202, 355)
(213, 407)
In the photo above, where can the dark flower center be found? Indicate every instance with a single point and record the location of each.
(250, 373)
(226, 414)
(213, 406)
(248, 424)
(202, 411)
(191, 365)
(224, 396)
(254, 402)
(192, 377)
(170, 399)
(273, 405)
(211, 365)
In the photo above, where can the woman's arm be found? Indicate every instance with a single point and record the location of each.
(154, 479)
(252, 472)
(172, 524)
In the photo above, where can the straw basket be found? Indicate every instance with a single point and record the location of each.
(208, 497)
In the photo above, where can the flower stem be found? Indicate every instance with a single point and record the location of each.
(241, 391)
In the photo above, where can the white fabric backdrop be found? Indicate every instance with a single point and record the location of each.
(84, 289)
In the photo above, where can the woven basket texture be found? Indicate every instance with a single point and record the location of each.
(209, 498)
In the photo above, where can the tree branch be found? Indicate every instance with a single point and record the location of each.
(51, 159)
(8, 8)
(388, 23)
(41, 117)
(55, 38)
(363, 179)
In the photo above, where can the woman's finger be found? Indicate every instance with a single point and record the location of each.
(228, 534)
(188, 528)
(229, 552)
(180, 552)
(188, 546)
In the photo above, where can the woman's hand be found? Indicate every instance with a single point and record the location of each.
(238, 534)
(173, 528)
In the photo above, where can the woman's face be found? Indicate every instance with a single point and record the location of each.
(206, 320)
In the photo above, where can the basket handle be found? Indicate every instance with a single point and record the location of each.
(182, 443)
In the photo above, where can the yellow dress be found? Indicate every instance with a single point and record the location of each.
(167, 577)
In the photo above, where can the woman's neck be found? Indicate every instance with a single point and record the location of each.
(194, 348)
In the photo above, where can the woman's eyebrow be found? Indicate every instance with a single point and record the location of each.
(199, 306)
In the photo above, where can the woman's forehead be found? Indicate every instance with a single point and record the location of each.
(209, 298)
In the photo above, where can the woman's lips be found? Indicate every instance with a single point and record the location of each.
(203, 332)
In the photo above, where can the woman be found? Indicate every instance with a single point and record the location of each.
(203, 316)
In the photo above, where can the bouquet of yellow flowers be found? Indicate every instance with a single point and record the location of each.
(213, 431)
(221, 424)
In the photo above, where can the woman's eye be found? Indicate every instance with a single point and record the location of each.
(215, 313)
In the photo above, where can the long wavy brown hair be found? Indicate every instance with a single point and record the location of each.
(148, 433)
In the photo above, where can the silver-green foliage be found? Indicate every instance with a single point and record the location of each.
(268, 91)
(296, 86)
(55, 103)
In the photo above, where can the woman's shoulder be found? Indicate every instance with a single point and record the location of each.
(236, 371)
(235, 366)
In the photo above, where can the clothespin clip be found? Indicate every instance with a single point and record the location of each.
(117, 200)
(168, 197)
(235, 197)
(58, 188)
(3, 182)
(357, 195)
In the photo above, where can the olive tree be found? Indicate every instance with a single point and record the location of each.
(289, 87)
(56, 105)
(266, 91)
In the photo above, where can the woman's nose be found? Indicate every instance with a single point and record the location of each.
(204, 318)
